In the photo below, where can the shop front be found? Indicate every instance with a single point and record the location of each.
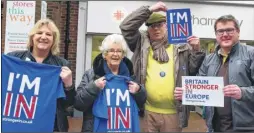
(101, 18)
(104, 18)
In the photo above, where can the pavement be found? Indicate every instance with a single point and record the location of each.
(196, 124)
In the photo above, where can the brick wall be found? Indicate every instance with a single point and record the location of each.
(57, 12)
(3, 21)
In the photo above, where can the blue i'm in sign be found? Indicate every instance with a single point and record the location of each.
(179, 25)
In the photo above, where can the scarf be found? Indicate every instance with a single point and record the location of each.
(159, 49)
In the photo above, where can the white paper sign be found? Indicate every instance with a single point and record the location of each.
(20, 17)
(203, 91)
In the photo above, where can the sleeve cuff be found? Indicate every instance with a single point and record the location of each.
(69, 88)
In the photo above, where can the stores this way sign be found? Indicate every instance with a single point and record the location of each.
(20, 18)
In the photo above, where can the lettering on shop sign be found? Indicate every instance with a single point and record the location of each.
(206, 21)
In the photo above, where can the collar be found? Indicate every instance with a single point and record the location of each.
(30, 57)
(123, 70)
(221, 53)
(232, 51)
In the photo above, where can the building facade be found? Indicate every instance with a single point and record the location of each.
(104, 17)
(57, 11)
(100, 18)
(90, 21)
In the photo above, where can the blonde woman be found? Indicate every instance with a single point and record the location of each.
(43, 47)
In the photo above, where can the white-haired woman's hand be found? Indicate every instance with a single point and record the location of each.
(133, 87)
(100, 82)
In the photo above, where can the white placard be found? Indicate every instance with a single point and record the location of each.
(203, 91)
(20, 17)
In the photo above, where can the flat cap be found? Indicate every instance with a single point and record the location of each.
(155, 18)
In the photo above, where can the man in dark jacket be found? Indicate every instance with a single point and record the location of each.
(160, 67)
(235, 63)
(92, 81)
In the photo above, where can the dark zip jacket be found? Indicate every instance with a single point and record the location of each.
(87, 91)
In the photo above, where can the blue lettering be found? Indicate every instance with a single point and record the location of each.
(197, 96)
(196, 81)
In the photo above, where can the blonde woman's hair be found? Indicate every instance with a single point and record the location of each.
(56, 34)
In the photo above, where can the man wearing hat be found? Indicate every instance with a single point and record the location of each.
(159, 67)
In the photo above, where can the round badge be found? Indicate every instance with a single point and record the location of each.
(162, 74)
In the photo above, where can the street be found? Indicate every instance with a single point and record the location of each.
(196, 124)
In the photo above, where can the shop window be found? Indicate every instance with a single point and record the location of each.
(207, 45)
(251, 43)
(96, 42)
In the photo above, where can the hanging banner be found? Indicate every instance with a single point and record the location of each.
(20, 18)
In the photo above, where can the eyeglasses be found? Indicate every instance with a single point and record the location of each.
(158, 25)
(220, 32)
(112, 51)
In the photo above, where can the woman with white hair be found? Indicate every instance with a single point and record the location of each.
(112, 61)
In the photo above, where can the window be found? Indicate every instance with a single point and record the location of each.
(207, 45)
(251, 43)
(96, 42)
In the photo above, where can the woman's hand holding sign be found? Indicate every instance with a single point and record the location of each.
(233, 91)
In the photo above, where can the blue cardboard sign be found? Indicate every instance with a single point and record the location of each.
(179, 25)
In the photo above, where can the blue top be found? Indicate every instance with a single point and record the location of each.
(115, 109)
(29, 95)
